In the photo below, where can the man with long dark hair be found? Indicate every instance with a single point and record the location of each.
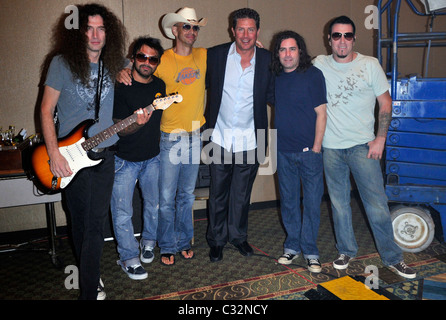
(80, 83)
(300, 118)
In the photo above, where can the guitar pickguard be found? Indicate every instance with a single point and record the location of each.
(77, 159)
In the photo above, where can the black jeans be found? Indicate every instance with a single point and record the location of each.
(88, 199)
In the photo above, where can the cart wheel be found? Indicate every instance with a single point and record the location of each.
(413, 228)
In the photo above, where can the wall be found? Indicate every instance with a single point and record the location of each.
(25, 39)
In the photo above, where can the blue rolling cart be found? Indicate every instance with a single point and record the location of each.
(415, 159)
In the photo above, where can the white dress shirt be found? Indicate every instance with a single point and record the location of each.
(235, 123)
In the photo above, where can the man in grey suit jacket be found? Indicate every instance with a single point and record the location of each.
(240, 85)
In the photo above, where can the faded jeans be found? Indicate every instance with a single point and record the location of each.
(338, 163)
(179, 164)
(301, 228)
(127, 174)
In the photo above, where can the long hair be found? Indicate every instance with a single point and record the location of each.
(71, 44)
(304, 57)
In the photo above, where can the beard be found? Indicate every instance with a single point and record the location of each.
(144, 74)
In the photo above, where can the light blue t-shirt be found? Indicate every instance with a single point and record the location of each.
(77, 102)
(352, 89)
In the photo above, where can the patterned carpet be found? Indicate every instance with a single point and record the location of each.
(30, 275)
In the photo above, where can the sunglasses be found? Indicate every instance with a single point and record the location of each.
(187, 27)
(141, 57)
(347, 36)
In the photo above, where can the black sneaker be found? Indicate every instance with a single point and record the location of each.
(147, 254)
(404, 270)
(287, 258)
(314, 265)
(341, 262)
(135, 272)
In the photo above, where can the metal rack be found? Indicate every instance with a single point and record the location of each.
(416, 141)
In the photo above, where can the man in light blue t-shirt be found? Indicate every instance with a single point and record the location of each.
(354, 82)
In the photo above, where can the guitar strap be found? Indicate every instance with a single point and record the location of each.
(99, 89)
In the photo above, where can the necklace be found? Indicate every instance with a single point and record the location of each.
(197, 70)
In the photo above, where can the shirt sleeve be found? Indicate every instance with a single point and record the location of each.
(55, 75)
(380, 82)
(318, 89)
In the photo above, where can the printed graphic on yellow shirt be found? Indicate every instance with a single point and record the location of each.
(188, 76)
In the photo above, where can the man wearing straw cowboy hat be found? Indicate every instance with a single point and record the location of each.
(183, 69)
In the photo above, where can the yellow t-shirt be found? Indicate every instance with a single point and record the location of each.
(185, 75)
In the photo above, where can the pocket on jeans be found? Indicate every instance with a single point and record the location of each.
(119, 164)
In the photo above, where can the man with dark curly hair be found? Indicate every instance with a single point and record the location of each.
(80, 83)
(300, 118)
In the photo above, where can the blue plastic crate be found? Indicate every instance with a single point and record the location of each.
(419, 109)
(417, 140)
(416, 170)
(421, 89)
(421, 125)
(415, 155)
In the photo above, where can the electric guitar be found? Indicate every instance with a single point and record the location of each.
(76, 145)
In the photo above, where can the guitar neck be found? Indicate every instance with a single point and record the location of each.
(106, 134)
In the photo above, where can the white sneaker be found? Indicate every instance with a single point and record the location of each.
(287, 258)
(101, 292)
(314, 265)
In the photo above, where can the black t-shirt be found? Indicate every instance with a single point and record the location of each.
(144, 143)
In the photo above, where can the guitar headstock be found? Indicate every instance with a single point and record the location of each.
(165, 102)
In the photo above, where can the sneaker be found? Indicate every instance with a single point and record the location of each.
(287, 258)
(341, 262)
(147, 254)
(314, 265)
(101, 292)
(404, 270)
(135, 272)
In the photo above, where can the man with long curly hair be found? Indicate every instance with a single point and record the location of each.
(80, 83)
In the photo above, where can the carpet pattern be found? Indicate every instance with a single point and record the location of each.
(30, 275)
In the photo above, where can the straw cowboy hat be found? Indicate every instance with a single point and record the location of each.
(185, 15)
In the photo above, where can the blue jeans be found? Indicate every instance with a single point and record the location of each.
(127, 174)
(179, 164)
(338, 163)
(292, 170)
